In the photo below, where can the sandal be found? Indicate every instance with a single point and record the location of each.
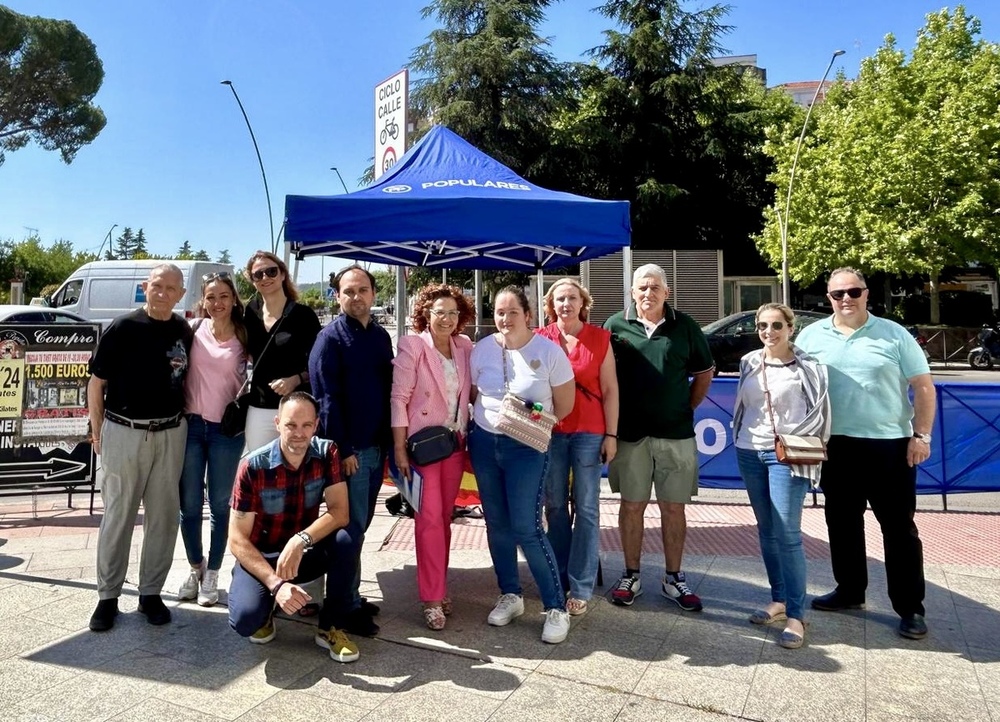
(434, 616)
(447, 607)
(793, 640)
(761, 616)
(576, 607)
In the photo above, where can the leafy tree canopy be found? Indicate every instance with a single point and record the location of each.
(900, 171)
(49, 75)
(40, 267)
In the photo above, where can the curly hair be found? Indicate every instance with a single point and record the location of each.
(550, 296)
(291, 292)
(431, 293)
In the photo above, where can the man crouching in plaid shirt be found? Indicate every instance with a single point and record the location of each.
(279, 537)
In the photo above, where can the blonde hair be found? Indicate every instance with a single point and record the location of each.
(788, 313)
(550, 306)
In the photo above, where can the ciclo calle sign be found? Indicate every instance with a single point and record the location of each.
(390, 120)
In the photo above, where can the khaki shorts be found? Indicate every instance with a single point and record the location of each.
(669, 465)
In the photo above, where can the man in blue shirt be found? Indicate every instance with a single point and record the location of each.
(350, 370)
(878, 439)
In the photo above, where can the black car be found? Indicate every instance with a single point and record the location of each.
(730, 338)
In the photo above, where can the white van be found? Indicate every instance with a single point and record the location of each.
(102, 290)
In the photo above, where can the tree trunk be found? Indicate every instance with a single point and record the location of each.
(887, 290)
(935, 299)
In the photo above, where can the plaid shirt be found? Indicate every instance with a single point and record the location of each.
(284, 500)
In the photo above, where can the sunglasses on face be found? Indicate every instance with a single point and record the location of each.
(839, 294)
(774, 325)
(209, 277)
(271, 272)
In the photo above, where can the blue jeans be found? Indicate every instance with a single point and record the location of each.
(251, 603)
(362, 493)
(576, 548)
(511, 478)
(207, 448)
(776, 497)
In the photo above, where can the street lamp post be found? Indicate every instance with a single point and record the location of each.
(783, 227)
(107, 239)
(267, 193)
(334, 169)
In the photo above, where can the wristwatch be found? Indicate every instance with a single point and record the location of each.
(926, 438)
(306, 539)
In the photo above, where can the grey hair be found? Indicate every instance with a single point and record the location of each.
(647, 270)
(846, 269)
(167, 268)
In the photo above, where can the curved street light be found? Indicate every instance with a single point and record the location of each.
(267, 193)
(783, 227)
(107, 239)
(334, 169)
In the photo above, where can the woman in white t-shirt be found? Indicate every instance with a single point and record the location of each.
(510, 475)
(216, 371)
(799, 404)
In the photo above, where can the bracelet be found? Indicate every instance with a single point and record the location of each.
(612, 436)
(278, 586)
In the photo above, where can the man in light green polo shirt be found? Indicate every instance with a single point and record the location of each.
(878, 439)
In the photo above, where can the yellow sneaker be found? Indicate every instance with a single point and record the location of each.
(342, 649)
(265, 634)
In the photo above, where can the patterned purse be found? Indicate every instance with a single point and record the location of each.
(522, 420)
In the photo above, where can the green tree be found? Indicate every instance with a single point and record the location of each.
(201, 255)
(40, 267)
(656, 123)
(488, 75)
(49, 75)
(125, 245)
(139, 249)
(224, 256)
(900, 172)
(185, 253)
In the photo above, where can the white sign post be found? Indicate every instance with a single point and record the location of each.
(390, 121)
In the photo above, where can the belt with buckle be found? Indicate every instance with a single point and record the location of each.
(152, 425)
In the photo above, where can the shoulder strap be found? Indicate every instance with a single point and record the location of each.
(767, 392)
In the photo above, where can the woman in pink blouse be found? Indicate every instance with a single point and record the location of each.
(431, 384)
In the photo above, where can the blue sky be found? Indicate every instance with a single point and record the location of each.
(175, 157)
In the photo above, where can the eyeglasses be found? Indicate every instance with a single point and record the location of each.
(209, 277)
(855, 292)
(444, 314)
(271, 272)
(774, 325)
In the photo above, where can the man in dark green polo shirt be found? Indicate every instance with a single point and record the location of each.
(657, 348)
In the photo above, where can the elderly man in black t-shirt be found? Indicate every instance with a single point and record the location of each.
(136, 402)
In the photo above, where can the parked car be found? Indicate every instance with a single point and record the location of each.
(730, 338)
(36, 315)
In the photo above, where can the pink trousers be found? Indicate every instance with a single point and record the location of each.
(442, 481)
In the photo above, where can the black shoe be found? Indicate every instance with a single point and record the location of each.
(359, 623)
(913, 627)
(835, 602)
(155, 610)
(368, 608)
(103, 617)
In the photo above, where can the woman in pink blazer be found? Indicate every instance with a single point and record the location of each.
(431, 384)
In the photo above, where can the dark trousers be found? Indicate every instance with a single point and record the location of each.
(251, 603)
(873, 471)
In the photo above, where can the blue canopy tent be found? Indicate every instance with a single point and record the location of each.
(446, 204)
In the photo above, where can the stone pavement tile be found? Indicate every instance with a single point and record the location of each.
(882, 632)
(20, 634)
(980, 627)
(71, 612)
(643, 709)
(648, 616)
(994, 708)
(815, 656)
(541, 698)
(975, 591)
(705, 647)
(441, 704)
(987, 666)
(788, 694)
(84, 650)
(60, 542)
(611, 661)
(383, 669)
(14, 564)
(93, 695)
(157, 709)
(291, 706)
(693, 689)
(925, 693)
(22, 678)
(463, 674)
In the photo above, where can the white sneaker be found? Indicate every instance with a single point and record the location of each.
(556, 626)
(508, 608)
(209, 593)
(189, 589)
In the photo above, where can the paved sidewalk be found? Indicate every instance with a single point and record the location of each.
(647, 662)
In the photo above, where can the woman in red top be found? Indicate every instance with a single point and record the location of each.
(582, 442)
